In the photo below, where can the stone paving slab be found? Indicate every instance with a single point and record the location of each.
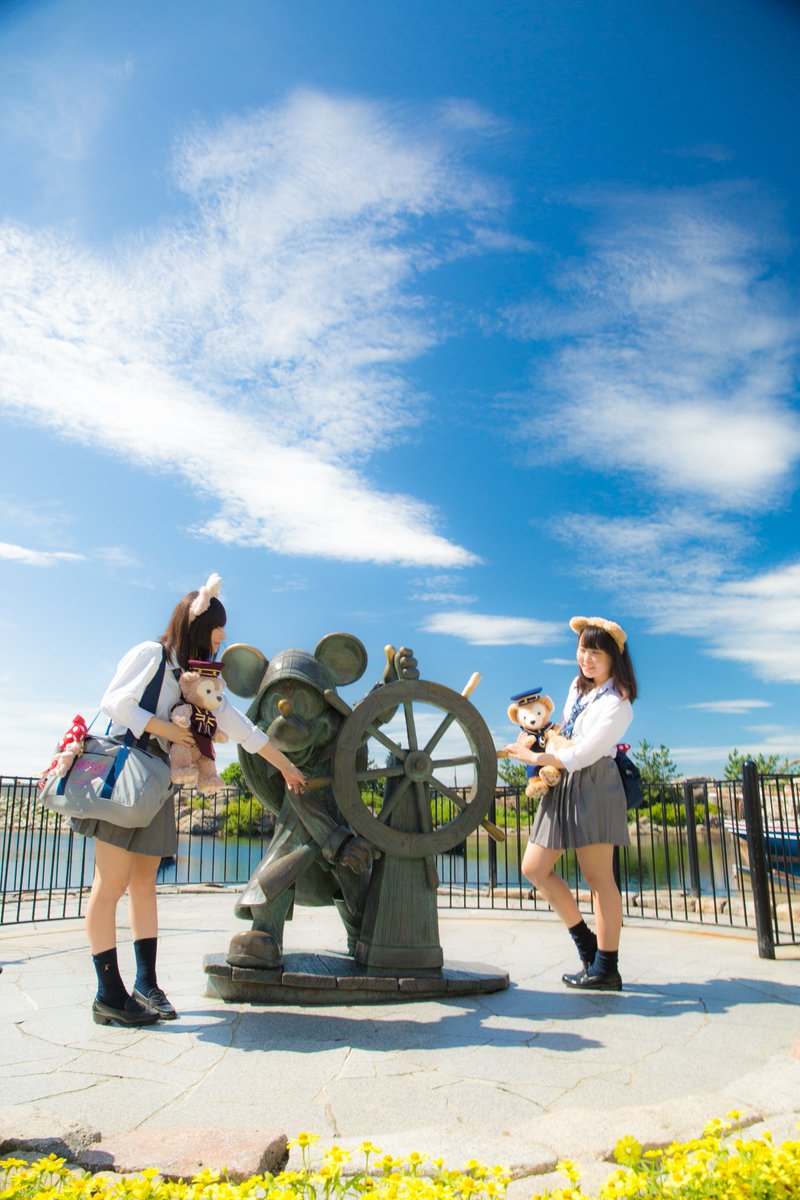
(522, 1077)
(183, 1153)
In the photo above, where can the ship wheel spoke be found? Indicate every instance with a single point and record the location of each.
(440, 732)
(397, 795)
(411, 728)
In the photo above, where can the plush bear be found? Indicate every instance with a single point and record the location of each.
(531, 710)
(548, 776)
(204, 693)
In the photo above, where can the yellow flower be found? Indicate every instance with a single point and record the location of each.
(304, 1139)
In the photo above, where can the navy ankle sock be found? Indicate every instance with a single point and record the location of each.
(145, 951)
(606, 962)
(585, 941)
(110, 988)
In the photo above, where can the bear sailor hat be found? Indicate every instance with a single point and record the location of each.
(527, 697)
(615, 631)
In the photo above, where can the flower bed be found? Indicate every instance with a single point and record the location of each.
(716, 1166)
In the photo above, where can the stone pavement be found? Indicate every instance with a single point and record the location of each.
(521, 1077)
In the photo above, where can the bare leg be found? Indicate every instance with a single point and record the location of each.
(537, 866)
(143, 896)
(597, 866)
(112, 872)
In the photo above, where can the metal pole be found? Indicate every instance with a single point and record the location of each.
(756, 852)
(493, 847)
(691, 838)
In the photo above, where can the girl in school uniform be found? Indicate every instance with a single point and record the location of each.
(586, 810)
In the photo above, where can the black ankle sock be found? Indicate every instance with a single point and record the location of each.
(110, 988)
(585, 941)
(606, 962)
(145, 951)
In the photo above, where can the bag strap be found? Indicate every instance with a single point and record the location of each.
(149, 702)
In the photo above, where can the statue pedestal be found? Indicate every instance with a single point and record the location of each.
(327, 978)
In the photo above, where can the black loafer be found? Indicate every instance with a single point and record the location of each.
(585, 981)
(105, 1014)
(156, 1002)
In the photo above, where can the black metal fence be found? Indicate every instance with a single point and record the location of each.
(702, 852)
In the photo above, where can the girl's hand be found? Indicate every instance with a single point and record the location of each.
(294, 778)
(169, 732)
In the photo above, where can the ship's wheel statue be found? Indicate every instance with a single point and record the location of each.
(435, 738)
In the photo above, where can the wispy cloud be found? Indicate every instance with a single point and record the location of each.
(729, 707)
(483, 629)
(682, 348)
(274, 326)
(36, 558)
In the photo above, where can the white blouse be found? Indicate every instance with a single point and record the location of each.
(121, 701)
(601, 724)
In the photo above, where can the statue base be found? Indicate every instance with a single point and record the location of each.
(328, 978)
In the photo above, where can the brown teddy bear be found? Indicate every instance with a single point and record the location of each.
(531, 710)
(204, 692)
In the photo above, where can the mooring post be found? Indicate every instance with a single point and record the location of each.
(757, 854)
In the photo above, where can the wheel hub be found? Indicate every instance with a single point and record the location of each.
(417, 765)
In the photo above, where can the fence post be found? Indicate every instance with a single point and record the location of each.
(493, 847)
(756, 852)
(691, 838)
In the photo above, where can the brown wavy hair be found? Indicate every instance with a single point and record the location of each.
(192, 639)
(622, 672)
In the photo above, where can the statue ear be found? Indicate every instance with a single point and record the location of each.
(343, 655)
(513, 714)
(243, 669)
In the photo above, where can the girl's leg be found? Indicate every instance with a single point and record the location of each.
(144, 925)
(596, 863)
(112, 872)
(597, 867)
(143, 896)
(537, 866)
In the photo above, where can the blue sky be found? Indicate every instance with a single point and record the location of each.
(436, 323)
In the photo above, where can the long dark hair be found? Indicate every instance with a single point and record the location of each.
(192, 639)
(622, 673)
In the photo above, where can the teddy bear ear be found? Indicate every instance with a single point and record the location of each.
(243, 669)
(343, 655)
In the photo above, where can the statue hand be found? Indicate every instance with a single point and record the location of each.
(358, 854)
(401, 665)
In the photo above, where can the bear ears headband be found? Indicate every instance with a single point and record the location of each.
(578, 624)
(208, 592)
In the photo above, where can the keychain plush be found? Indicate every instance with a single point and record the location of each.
(69, 748)
(204, 693)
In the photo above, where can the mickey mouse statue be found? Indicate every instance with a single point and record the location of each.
(314, 857)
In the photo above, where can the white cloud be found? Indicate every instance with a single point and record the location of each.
(482, 629)
(728, 707)
(684, 576)
(273, 327)
(36, 558)
(682, 355)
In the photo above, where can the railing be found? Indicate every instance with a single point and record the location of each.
(702, 852)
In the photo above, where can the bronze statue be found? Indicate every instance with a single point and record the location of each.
(377, 868)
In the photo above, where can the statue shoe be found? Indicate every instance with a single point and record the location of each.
(254, 949)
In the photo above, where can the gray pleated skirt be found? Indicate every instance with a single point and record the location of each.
(586, 808)
(159, 838)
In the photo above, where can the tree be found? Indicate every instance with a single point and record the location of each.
(234, 777)
(512, 773)
(655, 764)
(771, 764)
